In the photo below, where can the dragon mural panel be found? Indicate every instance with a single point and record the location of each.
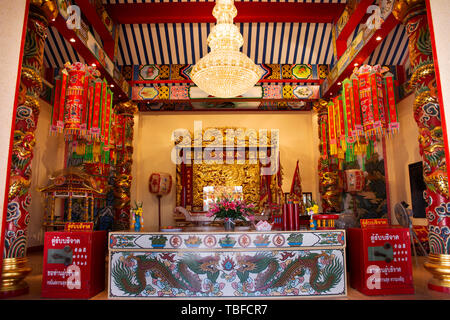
(230, 274)
(257, 264)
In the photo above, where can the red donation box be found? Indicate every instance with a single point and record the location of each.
(380, 260)
(74, 264)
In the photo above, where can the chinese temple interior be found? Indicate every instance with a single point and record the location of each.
(127, 121)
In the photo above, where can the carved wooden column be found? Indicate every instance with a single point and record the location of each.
(122, 186)
(329, 178)
(15, 268)
(427, 114)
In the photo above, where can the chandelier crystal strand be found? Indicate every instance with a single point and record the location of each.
(225, 72)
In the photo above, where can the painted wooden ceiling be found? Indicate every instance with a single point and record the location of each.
(264, 42)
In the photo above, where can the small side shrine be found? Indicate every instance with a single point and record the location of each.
(77, 193)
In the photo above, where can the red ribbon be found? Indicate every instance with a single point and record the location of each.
(62, 102)
(84, 105)
(103, 111)
(357, 108)
(95, 130)
(375, 104)
(348, 111)
(332, 128)
(107, 119)
(390, 105)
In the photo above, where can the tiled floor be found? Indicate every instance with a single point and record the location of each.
(421, 277)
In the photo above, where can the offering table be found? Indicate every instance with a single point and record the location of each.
(253, 264)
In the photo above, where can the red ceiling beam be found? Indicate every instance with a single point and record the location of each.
(89, 10)
(81, 49)
(363, 54)
(355, 18)
(185, 12)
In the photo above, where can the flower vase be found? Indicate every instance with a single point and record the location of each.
(229, 224)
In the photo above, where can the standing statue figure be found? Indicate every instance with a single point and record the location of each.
(138, 220)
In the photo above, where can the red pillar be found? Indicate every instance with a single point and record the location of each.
(14, 266)
(432, 146)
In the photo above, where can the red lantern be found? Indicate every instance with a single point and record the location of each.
(160, 183)
(354, 180)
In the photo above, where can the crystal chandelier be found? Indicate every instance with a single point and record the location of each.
(225, 72)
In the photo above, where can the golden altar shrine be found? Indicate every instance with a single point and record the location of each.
(255, 264)
(228, 157)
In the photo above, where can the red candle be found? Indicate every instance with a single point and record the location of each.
(291, 216)
(296, 217)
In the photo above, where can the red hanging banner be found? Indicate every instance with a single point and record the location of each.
(348, 114)
(107, 119)
(357, 109)
(103, 111)
(332, 128)
(95, 130)
(393, 125)
(365, 95)
(341, 124)
(85, 109)
(375, 104)
(62, 102)
(90, 110)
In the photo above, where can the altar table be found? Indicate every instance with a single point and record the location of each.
(251, 264)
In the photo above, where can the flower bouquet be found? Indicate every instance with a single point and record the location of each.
(138, 221)
(312, 210)
(230, 210)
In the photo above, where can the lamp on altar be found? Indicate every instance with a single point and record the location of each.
(160, 184)
(225, 72)
(353, 183)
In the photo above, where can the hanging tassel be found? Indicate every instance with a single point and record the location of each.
(332, 129)
(62, 102)
(391, 107)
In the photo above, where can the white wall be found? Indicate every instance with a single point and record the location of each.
(153, 145)
(402, 149)
(48, 158)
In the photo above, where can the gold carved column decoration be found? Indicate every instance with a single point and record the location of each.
(14, 268)
(328, 168)
(125, 112)
(427, 114)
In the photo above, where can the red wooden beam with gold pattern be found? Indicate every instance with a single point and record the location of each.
(200, 12)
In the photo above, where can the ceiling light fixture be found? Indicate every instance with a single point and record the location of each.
(379, 38)
(72, 39)
(225, 72)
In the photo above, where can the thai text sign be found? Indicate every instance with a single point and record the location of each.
(373, 223)
(78, 226)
